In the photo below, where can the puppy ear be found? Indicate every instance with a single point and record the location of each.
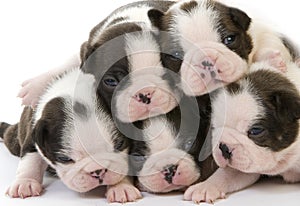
(155, 17)
(287, 104)
(240, 18)
(40, 134)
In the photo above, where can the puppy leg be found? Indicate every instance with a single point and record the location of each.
(123, 192)
(222, 182)
(29, 177)
(33, 88)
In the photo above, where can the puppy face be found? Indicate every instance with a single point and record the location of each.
(207, 41)
(167, 158)
(77, 137)
(126, 60)
(259, 131)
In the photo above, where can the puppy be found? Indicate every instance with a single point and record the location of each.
(210, 44)
(255, 131)
(166, 156)
(71, 132)
(126, 45)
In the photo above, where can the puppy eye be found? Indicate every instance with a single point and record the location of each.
(228, 40)
(187, 146)
(256, 132)
(138, 158)
(64, 159)
(175, 56)
(111, 82)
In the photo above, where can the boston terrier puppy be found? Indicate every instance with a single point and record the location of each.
(72, 132)
(210, 44)
(255, 131)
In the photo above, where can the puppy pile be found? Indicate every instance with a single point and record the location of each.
(166, 96)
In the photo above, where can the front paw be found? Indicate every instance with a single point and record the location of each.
(24, 187)
(203, 192)
(122, 193)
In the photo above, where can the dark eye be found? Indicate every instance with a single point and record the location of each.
(228, 40)
(256, 132)
(138, 158)
(64, 159)
(175, 56)
(110, 81)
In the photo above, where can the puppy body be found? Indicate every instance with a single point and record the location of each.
(257, 134)
(71, 132)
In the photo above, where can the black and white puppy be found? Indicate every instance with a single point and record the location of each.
(167, 156)
(75, 135)
(255, 131)
(206, 42)
(127, 55)
(210, 44)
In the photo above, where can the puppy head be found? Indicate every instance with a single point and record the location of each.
(166, 158)
(132, 81)
(207, 41)
(80, 142)
(259, 130)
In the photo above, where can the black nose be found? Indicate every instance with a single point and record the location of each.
(169, 172)
(225, 151)
(145, 99)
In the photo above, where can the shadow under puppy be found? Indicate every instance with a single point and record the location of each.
(255, 131)
(71, 132)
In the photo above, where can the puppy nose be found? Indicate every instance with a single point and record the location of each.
(169, 172)
(226, 153)
(99, 174)
(144, 96)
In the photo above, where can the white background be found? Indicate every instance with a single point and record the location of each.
(36, 36)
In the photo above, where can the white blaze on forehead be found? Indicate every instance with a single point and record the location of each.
(142, 50)
(160, 135)
(237, 110)
(196, 26)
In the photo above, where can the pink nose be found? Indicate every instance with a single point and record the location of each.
(144, 95)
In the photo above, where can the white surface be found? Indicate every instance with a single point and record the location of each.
(39, 35)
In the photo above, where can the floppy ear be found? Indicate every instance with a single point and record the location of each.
(46, 134)
(287, 104)
(240, 18)
(40, 134)
(155, 17)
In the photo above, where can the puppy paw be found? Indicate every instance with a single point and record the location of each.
(23, 188)
(33, 88)
(203, 192)
(276, 60)
(122, 192)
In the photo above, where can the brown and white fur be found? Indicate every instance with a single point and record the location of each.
(255, 131)
(71, 132)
